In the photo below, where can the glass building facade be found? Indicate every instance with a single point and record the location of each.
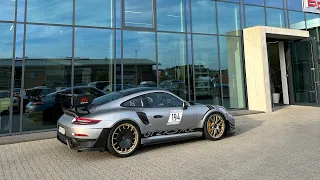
(191, 47)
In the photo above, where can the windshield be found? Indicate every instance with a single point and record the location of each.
(4, 94)
(106, 99)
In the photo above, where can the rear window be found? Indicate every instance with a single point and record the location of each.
(106, 99)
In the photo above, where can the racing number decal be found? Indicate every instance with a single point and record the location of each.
(175, 117)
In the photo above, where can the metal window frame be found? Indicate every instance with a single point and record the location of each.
(13, 67)
(114, 44)
(23, 62)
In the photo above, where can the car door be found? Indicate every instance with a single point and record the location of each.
(166, 112)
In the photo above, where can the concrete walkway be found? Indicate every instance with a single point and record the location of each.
(281, 145)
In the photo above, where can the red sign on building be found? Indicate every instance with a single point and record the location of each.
(311, 6)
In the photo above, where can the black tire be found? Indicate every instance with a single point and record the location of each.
(210, 133)
(125, 136)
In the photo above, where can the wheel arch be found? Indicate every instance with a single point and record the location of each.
(209, 113)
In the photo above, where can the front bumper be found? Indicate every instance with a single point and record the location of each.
(232, 124)
(81, 144)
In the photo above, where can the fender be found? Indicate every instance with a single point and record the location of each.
(208, 113)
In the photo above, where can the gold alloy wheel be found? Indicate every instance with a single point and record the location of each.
(216, 126)
(125, 138)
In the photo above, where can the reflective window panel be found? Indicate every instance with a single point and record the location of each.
(7, 10)
(313, 24)
(255, 2)
(93, 64)
(53, 11)
(294, 5)
(47, 70)
(138, 13)
(275, 17)
(228, 18)
(18, 77)
(204, 16)
(254, 16)
(206, 69)
(94, 13)
(173, 18)
(296, 20)
(275, 3)
(139, 59)
(232, 72)
(21, 10)
(172, 69)
(6, 36)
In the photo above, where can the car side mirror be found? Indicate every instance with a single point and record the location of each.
(185, 105)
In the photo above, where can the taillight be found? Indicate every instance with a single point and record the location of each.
(38, 103)
(85, 121)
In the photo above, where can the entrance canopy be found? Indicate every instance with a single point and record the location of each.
(256, 62)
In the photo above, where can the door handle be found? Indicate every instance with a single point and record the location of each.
(158, 116)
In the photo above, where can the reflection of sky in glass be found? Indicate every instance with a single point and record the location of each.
(94, 13)
(296, 20)
(171, 15)
(140, 45)
(93, 43)
(313, 20)
(206, 51)
(7, 10)
(48, 41)
(188, 15)
(275, 3)
(275, 17)
(295, 5)
(204, 16)
(171, 50)
(255, 2)
(20, 14)
(118, 44)
(232, 0)
(229, 21)
(6, 37)
(254, 16)
(19, 41)
(138, 13)
(53, 11)
(118, 14)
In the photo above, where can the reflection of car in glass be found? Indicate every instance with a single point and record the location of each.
(110, 88)
(99, 84)
(5, 103)
(33, 94)
(175, 86)
(148, 84)
(47, 109)
(120, 122)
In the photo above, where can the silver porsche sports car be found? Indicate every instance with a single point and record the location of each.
(120, 122)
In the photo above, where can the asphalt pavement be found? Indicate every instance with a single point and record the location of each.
(282, 145)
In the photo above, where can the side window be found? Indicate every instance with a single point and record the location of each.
(158, 100)
(134, 102)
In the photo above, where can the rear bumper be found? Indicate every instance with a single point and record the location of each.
(98, 144)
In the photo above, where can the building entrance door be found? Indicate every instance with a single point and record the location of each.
(305, 70)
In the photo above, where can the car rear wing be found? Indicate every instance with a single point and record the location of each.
(75, 105)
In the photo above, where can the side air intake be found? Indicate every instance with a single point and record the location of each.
(210, 107)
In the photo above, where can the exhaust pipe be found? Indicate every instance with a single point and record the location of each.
(70, 144)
